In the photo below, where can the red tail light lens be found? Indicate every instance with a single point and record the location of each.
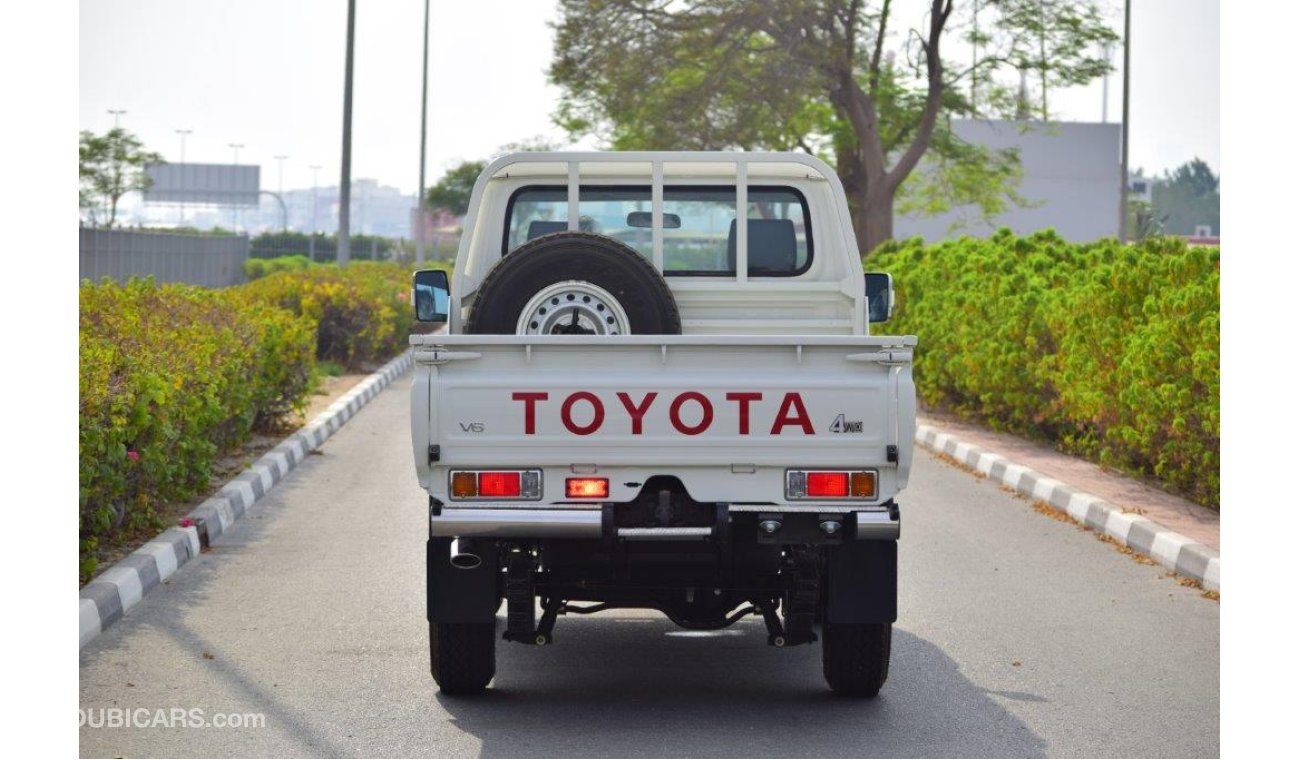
(828, 484)
(498, 484)
(586, 488)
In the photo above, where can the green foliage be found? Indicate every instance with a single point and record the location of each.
(859, 83)
(1187, 197)
(1058, 40)
(256, 268)
(110, 166)
(170, 377)
(362, 312)
(453, 190)
(1110, 351)
(273, 245)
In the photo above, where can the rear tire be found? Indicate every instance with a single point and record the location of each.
(462, 656)
(641, 293)
(855, 658)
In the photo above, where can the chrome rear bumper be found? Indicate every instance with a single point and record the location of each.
(518, 522)
(515, 522)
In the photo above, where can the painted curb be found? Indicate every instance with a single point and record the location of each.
(115, 591)
(1171, 549)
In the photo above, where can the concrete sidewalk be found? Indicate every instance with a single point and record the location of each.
(1192, 520)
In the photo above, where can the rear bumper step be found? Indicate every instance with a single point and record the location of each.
(516, 522)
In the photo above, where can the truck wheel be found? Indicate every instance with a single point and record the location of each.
(573, 283)
(462, 656)
(855, 658)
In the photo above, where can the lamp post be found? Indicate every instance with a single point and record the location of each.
(315, 181)
(117, 115)
(235, 205)
(284, 221)
(345, 179)
(1123, 161)
(424, 113)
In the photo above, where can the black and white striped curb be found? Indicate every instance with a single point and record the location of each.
(109, 596)
(1172, 550)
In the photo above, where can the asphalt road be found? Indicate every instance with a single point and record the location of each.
(1018, 636)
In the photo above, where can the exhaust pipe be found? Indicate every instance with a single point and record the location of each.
(464, 554)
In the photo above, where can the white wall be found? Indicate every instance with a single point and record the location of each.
(1070, 169)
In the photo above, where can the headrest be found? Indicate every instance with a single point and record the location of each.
(772, 245)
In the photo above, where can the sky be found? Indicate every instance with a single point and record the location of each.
(268, 74)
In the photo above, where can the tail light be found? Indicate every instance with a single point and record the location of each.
(586, 488)
(830, 484)
(485, 485)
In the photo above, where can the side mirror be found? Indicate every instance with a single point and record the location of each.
(432, 291)
(880, 297)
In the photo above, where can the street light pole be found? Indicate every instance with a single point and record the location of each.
(235, 205)
(117, 115)
(1123, 161)
(424, 113)
(284, 220)
(345, 179)
(315, 181)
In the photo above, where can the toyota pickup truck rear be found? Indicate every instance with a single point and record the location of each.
(658, 389)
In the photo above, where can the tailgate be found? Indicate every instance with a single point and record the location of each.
(665, 404)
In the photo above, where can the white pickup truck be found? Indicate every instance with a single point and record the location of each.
(639, 403)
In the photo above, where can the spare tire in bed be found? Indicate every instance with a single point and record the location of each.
(573, 283)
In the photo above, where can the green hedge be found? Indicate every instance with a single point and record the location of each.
(1109, 351)
(258, 268)
(171, 377)
(362, 311)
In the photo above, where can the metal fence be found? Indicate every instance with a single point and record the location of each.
(213, 261)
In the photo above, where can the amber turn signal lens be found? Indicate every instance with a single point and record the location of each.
(464, 485)
(863, 485)
(586, 488)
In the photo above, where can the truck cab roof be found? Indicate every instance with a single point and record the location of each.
(791, 268)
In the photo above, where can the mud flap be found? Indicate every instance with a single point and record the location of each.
(862, 582)
(456, 595)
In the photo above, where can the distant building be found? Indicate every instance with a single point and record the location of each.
(376, 210)
(1139, 187)
(1071, 178)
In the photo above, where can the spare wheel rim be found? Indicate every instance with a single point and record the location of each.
(573, 307)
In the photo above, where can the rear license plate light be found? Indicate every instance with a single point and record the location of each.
(586, 488)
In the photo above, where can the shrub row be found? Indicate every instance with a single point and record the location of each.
(1110, 351)
(171, 377)
(174, 376)
(257, 268)
(362, 312)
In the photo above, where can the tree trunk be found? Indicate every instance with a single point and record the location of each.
(872, 213)
(873, 220)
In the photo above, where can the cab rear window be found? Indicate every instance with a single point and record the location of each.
(699, 228)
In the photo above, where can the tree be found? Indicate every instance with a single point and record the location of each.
(1042, 32)
(453, 190)
(832, 77)
(1187, 197)
(112, 165)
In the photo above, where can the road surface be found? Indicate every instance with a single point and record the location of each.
(1018, 635)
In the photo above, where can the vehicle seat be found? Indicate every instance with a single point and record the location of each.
(537, 229)
(772, 246)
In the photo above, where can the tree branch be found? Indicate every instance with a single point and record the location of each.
(939, 12)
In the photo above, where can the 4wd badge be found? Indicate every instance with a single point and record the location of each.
(841, 425)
